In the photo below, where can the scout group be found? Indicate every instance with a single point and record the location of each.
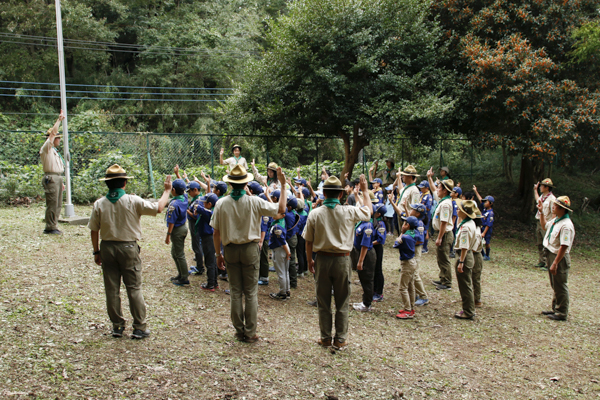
(329, 231)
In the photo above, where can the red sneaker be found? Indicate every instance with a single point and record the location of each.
(403, 314)
(208, 287)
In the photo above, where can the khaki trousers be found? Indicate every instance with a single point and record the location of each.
(558, 282)
(465, 283)
(419, 287)
(476, 275)
(122, 260)
(539, 241)
(53, 189)
(443, 258)
(242, 262)
(407, 283)
(332, 273)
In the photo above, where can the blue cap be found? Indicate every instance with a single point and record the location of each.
(377, 180)
(263, 196)
(489, 198)
(255, 187)
(389, 188)
(292, 202)
(276, 193)
(210, 198)
(221, 186)
(411, 221)
(379, 208)
(423, 184)
(419, 207)
(193, 185)
(301, 181)
(305, 193)
(179, 184)
(457, 190)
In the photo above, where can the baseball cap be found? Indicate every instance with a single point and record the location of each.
(210, 198)
(255, 187)
(193, 185)
(221, 186)
(301, 181)
(377, 180)
(179, 184)
(419, 207)
(423, 184)
(457, 190)
(292, 202)
(276, 193)
(379, 208)
(263, 196)
(305, 193)
(489, 198)
(412, 221)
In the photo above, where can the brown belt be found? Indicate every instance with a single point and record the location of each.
(324, 253)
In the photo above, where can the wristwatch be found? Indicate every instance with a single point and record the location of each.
(96, 253)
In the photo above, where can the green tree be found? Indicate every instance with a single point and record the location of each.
(354, 69)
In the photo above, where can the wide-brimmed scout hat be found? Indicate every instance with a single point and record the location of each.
(272, 166)
(234, 146)
(332, 183)
(115, 172)
(469, 207)
(448, 184)
(564, 202)
(547, 182)
(238, 175)
(50, 131)
(410, 171)
(445, 169)
(390, 160)
(478, 213)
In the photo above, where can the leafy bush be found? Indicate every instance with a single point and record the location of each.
(19, 181)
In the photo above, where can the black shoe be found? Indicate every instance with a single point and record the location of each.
(140, 334)
(53, 232)
(557, 317)
(181, 282)
(118, 331)
(548, 312)
(288, 294)
(436, 282)
(175, 278)
(223, 277)
(278, 296)
(443, 287)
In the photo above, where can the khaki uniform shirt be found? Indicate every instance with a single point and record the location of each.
(332, 231)
(238, 222)
(479, 243)
(232, 162)
(546, 207)
(466, 237)
(382, 174)
(263, 179)
(412, 195)
(562, 234)
(51, 161)
(443, 213)
(121, 221)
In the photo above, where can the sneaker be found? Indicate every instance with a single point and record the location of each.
(486, 258)
(443, 287)
(324, 342)
(339, 345)
(288, 294)
(278, 296)
(175, 278)
(421, 302)
(377, 297)
(478, 304)
(263, 283)
(436, 282)
(226, 291)
(207, 287)
(53, 232)
(452, 254)
(540, 265)
(462, 315)
(424, 251)
(140, 334)
(181, 282)
(312, 303)
(223, 277)
(403, 314)
(193, 270)
(542, 268)
(361, 307)
(548, 312)
(118, 331)
(252, 339)
(271, 269)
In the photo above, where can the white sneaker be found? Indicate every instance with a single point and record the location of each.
(361, 307)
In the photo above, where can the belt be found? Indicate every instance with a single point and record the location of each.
(53, 173)
(324, 253)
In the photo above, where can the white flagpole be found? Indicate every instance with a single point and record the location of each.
(69, 211)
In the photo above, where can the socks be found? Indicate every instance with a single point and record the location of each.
(487, 251)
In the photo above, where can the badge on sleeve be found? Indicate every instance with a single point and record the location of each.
(368, 232)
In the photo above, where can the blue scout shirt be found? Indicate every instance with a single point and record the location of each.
(277, 230)
(363, 235)
(203, 224)
(303, 215)
(407, 247)
(454, 210)
(378, 196)
(193, 207)
(290, 222)
(427, 201)
(487, 219)
(380, 233)
(265, 224)
(177, 211)
(419, 234)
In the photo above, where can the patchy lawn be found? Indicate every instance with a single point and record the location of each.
(56, 340)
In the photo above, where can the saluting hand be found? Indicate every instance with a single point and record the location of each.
(252, 163)
(61, 116)
(168, 184)
(176, 169)
(222, 151)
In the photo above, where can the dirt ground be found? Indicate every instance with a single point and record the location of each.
(56, 343)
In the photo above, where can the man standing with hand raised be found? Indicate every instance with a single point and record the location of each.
(329, 232)
(54, 167)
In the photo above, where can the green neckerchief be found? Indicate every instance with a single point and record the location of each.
(388, 171)
(438, 204)
(237, 194)
(566, 216)
(467, 219)
(404, 190)
(310, 206)
(280, 222)
(237, 159)
(62, 159)
(411, 233)
(445, 178)
(178, 197)
(194, 198)
(331, 203)
(303, 213)
(114, 195)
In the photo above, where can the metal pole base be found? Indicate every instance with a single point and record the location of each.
(69, 211)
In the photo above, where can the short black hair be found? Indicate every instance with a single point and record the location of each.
(331, 193)
(237, 186)
(117, 183)
(469, 195)
(179, 191)
(328, 172)
(478, 222)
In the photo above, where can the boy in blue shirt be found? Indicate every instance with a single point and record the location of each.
(363, 258)
(291, 223)
(427, 200)
(281, 258)
(265, 224)
(302, 211)
(194, 196)
(379, 236)
(177, 231)
(204, 212)
(487, 221)
(377, 190)
(406, 243)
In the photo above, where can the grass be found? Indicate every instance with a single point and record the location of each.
(56, 339)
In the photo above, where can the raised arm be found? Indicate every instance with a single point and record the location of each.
(282, 196)
(164, 199)
(477, 193)
(221, 156)
(535, 192)
(430, 174)
(365, 189)
(257, 176)
(202, 184)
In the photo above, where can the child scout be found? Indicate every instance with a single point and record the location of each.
(177, 231)
(236, 222)
(115, 219)
(329, 232)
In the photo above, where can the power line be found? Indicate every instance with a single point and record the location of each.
(130, 87)
(108, 114)
(100, 92)
(108, 98)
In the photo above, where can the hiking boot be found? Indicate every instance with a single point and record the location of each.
(436, 282)
(175, 278)
(140, 334)
(240, 336)
(557, 317)
(278, 296)
(339, 345)
(118, 331)
(443, 287)
(361, 307)
(207, 287)
(324, 342)
(548, 312)
(462, 315)
(252, 339)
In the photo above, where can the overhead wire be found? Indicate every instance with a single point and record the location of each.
(130, 87)
(108, 98)
(101, 92)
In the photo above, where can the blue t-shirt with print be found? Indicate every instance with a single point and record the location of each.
(487, 219)
(363, 235)
(277, 234)
(203, 224)
(177, 212)
(290, 222)
(407, 247)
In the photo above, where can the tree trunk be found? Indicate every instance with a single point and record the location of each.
(351, 151)
(531, 172)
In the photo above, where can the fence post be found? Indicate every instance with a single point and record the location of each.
(212, 157)
(317, 158)
(364, 161)
(150, 173)
(402, 162)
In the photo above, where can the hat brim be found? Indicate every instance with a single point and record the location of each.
(408, 174)
(545, 184)
(249, 177)
(472, 215)
(332, 188)
(236, 147)
(449, 189)
(115, 177)
(561, 205)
